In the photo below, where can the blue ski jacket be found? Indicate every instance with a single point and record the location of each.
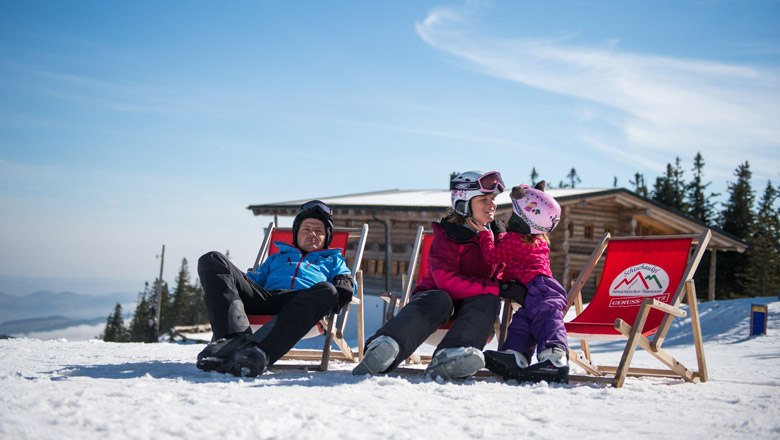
(288, 269)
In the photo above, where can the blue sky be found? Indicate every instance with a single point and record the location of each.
(128, 125)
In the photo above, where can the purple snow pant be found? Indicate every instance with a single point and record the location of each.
(539, 324)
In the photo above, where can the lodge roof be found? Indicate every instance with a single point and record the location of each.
(400, 200)
(427, 200)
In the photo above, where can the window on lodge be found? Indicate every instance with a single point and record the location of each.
(588, 231)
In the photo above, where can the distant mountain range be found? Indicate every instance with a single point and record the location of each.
(49, 323)
(45, 310)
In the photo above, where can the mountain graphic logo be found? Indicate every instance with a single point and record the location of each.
(641, 280)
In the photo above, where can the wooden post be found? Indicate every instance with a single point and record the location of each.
(713, 265)
(698, 341)
(360, 318)
(565, 247)
(158, 304)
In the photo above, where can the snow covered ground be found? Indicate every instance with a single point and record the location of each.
(91, 389)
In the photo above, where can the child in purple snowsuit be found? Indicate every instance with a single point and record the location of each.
(538, 325)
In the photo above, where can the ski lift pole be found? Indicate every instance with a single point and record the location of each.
(158, 304)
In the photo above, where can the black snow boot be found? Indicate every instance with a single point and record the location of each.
(249, 361)
(216, 352)
(505, 364)
(544, 371)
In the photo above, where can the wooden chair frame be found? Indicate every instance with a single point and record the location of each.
(333, 323)
(633, 333)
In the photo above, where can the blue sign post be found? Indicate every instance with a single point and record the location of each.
(758, 319)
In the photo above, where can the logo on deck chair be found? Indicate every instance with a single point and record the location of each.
(636, 283)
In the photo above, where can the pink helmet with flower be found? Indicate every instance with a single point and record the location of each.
(539, 211)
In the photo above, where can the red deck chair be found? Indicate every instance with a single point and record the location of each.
(421, 249)
(641, 288)
(333, 325)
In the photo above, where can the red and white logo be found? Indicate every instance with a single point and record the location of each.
(638, 282)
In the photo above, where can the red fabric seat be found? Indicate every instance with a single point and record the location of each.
(633, 271)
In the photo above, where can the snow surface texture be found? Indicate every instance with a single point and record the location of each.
(91, 389)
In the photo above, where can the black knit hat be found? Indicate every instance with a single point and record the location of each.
(318, 210)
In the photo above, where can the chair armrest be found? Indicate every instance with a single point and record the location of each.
(624, 328)
(666, 308)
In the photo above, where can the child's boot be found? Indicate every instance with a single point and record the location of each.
(553, 366)
(507, 364)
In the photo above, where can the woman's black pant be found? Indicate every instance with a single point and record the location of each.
(429, 310)
(230, 296)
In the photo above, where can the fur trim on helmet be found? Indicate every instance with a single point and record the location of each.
(533, 210)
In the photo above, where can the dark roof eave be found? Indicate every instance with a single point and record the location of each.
(268, 209)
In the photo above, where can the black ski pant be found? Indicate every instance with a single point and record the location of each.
(429, 310)
(230, 296)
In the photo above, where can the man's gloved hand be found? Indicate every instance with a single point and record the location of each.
(513, 291)
(345, 286)
(345, 296)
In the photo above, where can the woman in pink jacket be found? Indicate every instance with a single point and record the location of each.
(458, 285)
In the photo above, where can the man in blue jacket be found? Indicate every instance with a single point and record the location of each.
(299, 284)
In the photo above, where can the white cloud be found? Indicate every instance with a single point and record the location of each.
(669, 107)
(127, 95)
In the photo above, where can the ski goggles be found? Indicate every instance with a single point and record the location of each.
(316, 205)
(489, 182)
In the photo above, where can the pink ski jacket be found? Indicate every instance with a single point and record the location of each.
(455, 264)
(524, 261)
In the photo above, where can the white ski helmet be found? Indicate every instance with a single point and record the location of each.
(470, 184)
(539, 211)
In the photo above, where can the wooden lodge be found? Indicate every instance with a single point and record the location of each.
(394, 215)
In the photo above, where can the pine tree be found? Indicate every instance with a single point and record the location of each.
(167, 316)
(670, 188)
(141, 329)
(188, 305)
(737, 218)
(679, 185)
(639, 184)
(199, 314)
(662, 190)
(574, 179)
(761, 276)
(534, 176)
(181, 300)
(700, 206)
(115, 330)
